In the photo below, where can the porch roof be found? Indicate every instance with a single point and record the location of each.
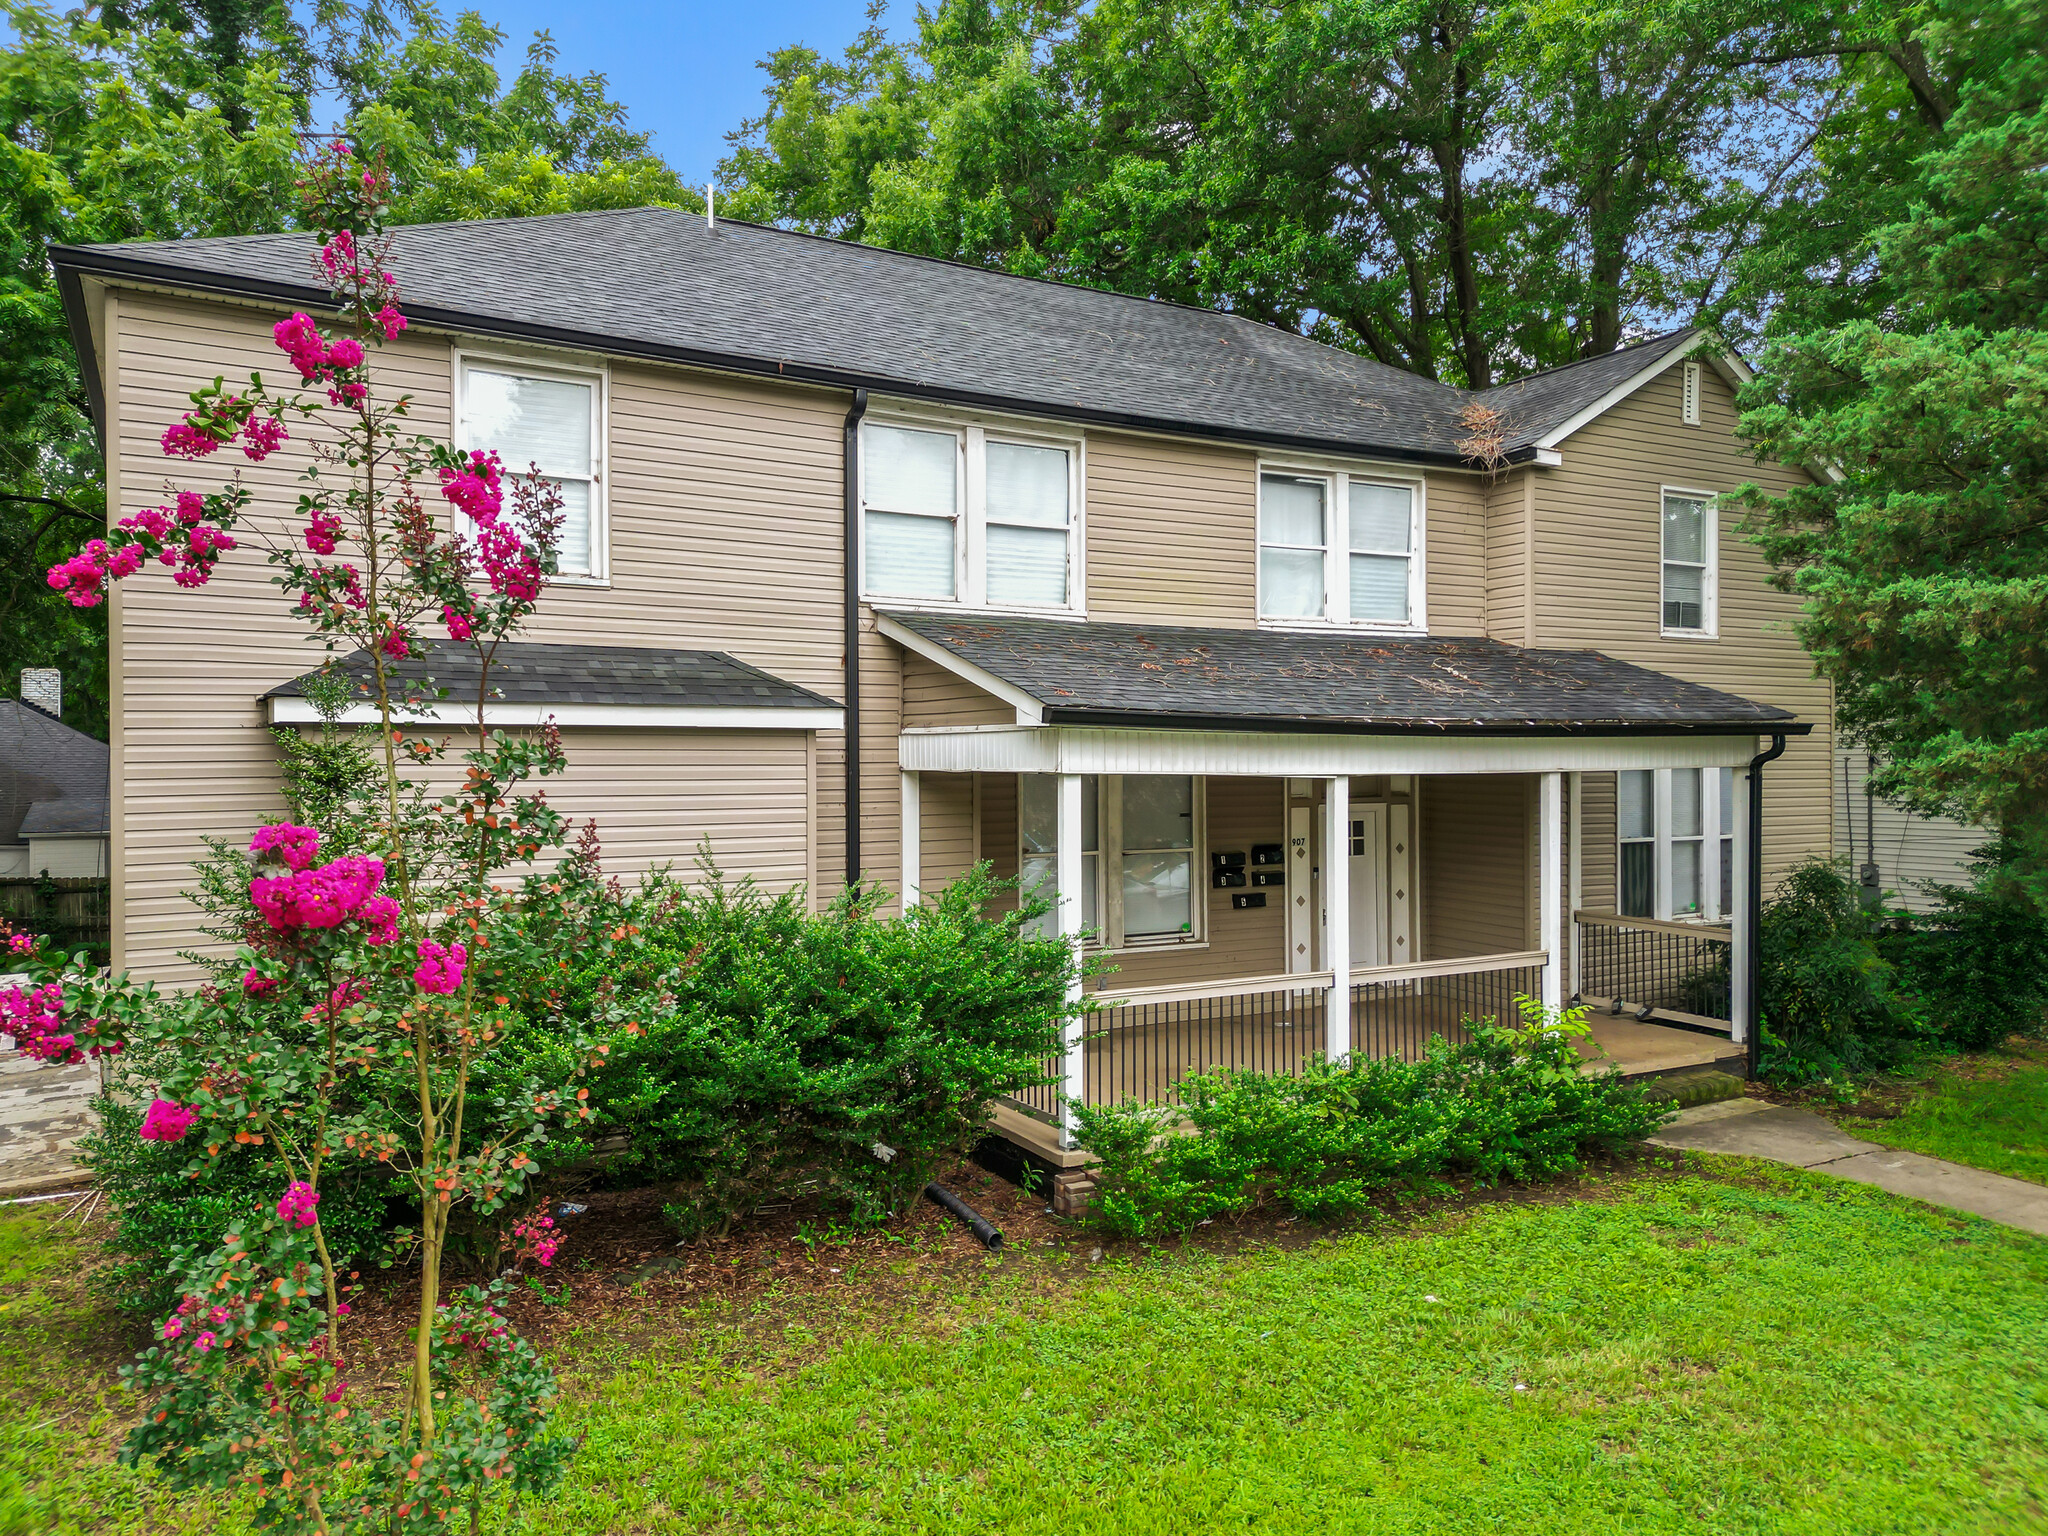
(1172, 677)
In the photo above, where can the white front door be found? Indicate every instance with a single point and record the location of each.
(1369, 891)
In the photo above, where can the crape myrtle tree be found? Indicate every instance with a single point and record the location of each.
(1922, 552)
(379, 949)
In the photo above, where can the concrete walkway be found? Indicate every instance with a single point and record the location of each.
(1752, 1128)
(44, 1112)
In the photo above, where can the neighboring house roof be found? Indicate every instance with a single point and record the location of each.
(43, 760)
(1164, 675)
(657, 282)
(83, 816)
(551, 676)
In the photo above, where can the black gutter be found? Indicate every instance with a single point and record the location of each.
(1141, 720)
(851, 459)
(77, 259)
(1753, 918)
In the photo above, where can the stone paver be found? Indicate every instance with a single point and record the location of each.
(1752, 1128)
(44, 1111)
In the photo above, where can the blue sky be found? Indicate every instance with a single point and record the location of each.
(686, 72)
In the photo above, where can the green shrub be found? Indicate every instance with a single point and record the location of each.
(1833, 1005)
(1980, 964)
(781, 1047)
(158, 1208)
(1509, 1104)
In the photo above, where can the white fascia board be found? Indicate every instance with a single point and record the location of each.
(1262, 754)
(1614, 397)
(681, 717)
(1029, 710)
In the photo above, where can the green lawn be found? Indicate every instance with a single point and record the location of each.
(1683, 1353)
(1988, 1110)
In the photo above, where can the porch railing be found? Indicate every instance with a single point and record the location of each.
(1674, 972)
(1396, 1008)
(1149, 1038)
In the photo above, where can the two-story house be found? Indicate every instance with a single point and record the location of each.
(1328, 731)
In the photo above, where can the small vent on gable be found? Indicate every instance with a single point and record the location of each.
(1690, 408)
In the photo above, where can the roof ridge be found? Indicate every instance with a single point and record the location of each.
(1583, 362)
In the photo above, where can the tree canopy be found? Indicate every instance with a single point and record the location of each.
(1918, 381)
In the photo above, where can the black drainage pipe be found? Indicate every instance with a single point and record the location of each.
(972, 1219)
(852, 636)
(1753, 918)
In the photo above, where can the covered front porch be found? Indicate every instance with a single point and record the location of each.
(1261, 891)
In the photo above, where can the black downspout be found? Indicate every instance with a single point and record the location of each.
(852, 460)
(1754, 917)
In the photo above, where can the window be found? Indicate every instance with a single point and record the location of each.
(1675, 842)
(1139, 855)
(968, 515)
(1689, 397)
(552, 419)
(1338, 549)
(1689, 540)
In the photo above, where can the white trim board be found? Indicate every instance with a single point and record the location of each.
(1727, 364)
(1029, 710)
(698, 717)
(1274, 754)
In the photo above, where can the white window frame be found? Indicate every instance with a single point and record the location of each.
(1711, 835)
(1710, 580)
(1337, 477)
(598, 376)
(970, 545)
(1109, 868)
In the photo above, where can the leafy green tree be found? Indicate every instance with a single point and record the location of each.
(174, 118)
(1463, 188)
(1923, 555)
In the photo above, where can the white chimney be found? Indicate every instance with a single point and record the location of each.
(44, 688)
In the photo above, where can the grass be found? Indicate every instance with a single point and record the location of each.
(1988, 1110)
(1774, 1352)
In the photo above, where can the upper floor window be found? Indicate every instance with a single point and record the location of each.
(551, 418)
(1339, 549)
(969, 515)
(1689, 563)
(1676, 834)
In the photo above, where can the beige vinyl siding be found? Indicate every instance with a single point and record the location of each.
(932, 696)
(1909, 850)
(1454, 545)
(1506, 557)
(1477, 873)
(724, 518)
(997, 797)
(946, 827)
(1598, 582)
(1172, 532)
(1597, 849)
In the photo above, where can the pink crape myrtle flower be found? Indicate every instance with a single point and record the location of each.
(345, 353)
(390, 321)
(396, 644)
(323, 533)
(299, 339)
(324, 897)
(440, 967)
(256, 984)
(476, 490)
(20, 943)
(457, 622)
(262, 436)
(185, 441)
(203, 1343)
(293, 844)
(297, 1206)
(380, 915)
(173, 1326)
(166, 1120)
(345, 993)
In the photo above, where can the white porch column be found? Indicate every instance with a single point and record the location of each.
(1336, 861)
(1067, 878)
(913, 840)
(1550, 884)
(1575, 866)
(1741, 957)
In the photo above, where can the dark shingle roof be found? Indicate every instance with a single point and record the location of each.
(527, 673)
(43, 760)
(1281, 680)
(1535, 406)
(657, 282)
(83, 816)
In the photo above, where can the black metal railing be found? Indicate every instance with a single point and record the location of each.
(1142, 1050)
(1630, 965)
(1041, 1101)
(1397, 1017)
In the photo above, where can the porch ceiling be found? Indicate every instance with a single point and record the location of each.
(1256, 680)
